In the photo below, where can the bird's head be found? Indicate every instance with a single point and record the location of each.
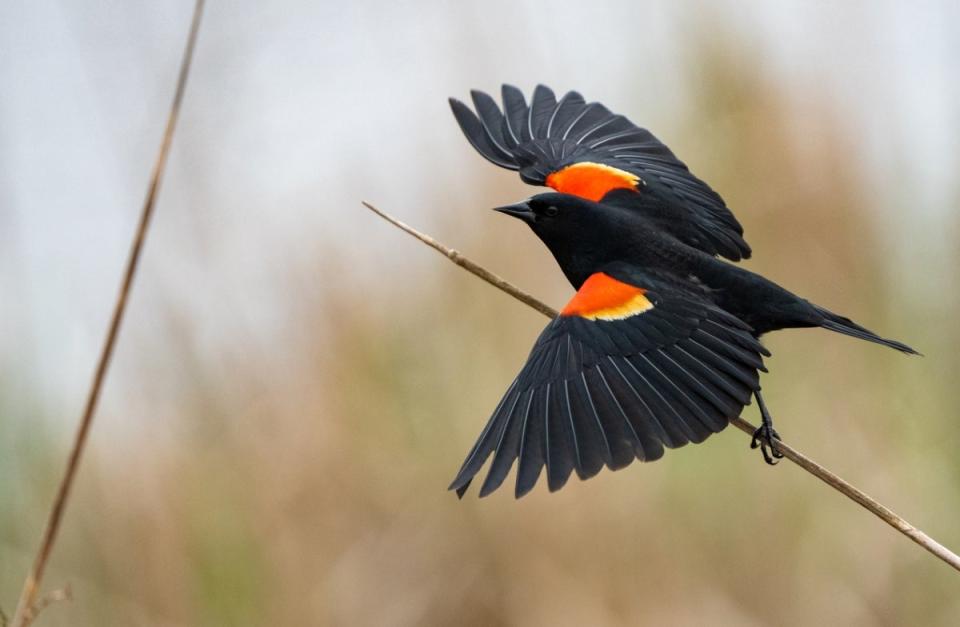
(558, 219)
(580, 233)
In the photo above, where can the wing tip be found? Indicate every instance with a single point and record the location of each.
(480, 97)
(489, 486)
(460, 484)
(464, 114)
(473, 129)
(522, 490)
(542, 89)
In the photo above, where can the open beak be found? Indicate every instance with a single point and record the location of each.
(520, 210)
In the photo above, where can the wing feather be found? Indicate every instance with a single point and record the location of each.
(507, 447)
(567, 108)
(561, 445)
(478, 137)
(542, 105)
(549, 135)
(531, 459)
(583, 393)
(514, 112)
(491, 119)
(597, 393)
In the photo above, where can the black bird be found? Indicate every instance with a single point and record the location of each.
(660, 345)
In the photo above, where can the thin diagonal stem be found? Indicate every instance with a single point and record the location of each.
(25, 606)
(879, 510)
(468, 265)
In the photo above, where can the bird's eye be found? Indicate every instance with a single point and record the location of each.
(550, 211)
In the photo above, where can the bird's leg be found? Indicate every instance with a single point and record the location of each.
(764, 436)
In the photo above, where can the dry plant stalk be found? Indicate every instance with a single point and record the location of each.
(878, 509)
(27, 608)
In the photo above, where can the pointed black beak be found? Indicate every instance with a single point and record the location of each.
(520, 210)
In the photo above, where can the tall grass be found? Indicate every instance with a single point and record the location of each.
(300, 478)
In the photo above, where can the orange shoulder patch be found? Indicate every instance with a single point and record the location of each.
(602, 297)
(591, 180)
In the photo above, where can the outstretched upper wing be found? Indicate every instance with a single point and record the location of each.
(583, 149)
(633, 364)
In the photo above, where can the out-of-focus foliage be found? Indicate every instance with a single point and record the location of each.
(302, 480)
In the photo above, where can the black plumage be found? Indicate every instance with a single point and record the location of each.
(660, 345)
(548, 135)
(625, 388)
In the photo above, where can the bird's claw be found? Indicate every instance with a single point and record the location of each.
(763, 438)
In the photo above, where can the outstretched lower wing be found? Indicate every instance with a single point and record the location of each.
(633, 364)
(583, 149)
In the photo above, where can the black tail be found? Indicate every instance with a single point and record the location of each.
(848, 327)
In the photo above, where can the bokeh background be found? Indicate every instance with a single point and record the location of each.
(297, 381)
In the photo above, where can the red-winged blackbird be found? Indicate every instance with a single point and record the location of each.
(659, 346)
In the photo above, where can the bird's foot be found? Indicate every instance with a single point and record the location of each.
(763, 438)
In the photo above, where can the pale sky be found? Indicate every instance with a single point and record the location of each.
(297, 110)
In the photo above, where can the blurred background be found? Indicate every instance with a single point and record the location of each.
(297, 381)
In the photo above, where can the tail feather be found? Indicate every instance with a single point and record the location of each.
(847, 326)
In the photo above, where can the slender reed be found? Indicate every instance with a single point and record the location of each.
(26, 608)
(878, 509)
